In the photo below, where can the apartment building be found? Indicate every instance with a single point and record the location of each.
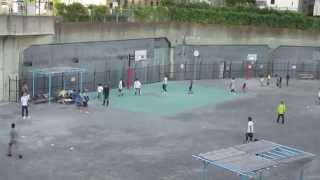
(21, 7)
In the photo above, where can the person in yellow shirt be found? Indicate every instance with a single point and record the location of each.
(281, 110)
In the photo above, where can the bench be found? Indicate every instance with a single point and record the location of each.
(306, 76)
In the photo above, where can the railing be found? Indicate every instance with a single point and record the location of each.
(153, 74)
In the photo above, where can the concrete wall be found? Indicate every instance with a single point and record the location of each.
(192, 33)
(11, 49)
(99, 57)
(305, 59)
(26, 25)
(18, 33)
(215, 60)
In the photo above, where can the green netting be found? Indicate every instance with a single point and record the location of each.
(176, 100)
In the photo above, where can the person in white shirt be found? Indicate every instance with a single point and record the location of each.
(250, 130)
(137, 86)
(99, 91)
(120, 87)
(24, 104)
(268, 79)
(233, 85)
(165, 84)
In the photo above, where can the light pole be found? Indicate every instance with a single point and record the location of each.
(195, 55)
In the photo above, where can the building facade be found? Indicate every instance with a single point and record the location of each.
(85, 2)
(316, 9)
(290, 5)
(125, 3)
(20, 7)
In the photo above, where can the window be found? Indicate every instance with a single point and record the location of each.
(27, 63)
(75, 60)
(272, 1)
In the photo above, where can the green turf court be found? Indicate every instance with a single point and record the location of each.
(176, 100)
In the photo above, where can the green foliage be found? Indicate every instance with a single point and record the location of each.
(242, 12)
(60, 9)
(55, 4)
(74, 12)
(154, 14)
(98, 13)
(227, 15)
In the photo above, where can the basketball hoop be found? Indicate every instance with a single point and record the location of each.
(252, 58)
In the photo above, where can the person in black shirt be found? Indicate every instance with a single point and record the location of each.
(280, 81)
(106, 94)
(190, 87)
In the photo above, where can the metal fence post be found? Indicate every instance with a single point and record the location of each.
(230, 70)
(260, 175)
(49, 93)
(9, 89)
(301, 174)
(185, 70)
(33, 83)
(17, 89)
(204, 175)
(81, 81)
(160, 72)
(62, 81)
(200, 70)
(212, 75)
(288, 67)
(94, 79)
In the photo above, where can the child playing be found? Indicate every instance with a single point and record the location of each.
(190, 87)
(99, 90)
(25, 105)
(164, 84)
(232, 85)
(244, 87)
(120, 87)
(137, 86)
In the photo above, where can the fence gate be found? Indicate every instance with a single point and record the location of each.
(14, 89)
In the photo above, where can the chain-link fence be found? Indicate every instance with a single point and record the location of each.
(153, 74)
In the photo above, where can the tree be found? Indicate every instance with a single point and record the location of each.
(98, 12)
(76, 12)
(60, 9)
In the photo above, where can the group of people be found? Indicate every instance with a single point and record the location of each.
(165, 85)
(278, 80)
(281, 110)
(232, 86)
(24, 100)
(82, 101)
(103, 91)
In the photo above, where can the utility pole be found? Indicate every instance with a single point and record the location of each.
(39, 6)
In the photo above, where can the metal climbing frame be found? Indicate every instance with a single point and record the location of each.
(251, 160)
(49, 72)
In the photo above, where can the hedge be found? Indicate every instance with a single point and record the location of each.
(235, 15)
